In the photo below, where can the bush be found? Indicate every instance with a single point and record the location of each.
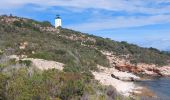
(17, 23)
(46, 24)
(2, 66)
(25, 62)
(49, 84)
(72, 68)
(3, 82)
(42, 55)
(1, 52)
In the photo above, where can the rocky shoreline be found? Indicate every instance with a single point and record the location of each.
(124, 65)
(121, 75)
(123, 82)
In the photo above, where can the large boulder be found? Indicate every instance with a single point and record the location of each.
(124, 76)
(165, 71)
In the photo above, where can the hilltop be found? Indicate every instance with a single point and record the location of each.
(77, 54)
(45, 35)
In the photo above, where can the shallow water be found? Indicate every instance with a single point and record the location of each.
(160, 86)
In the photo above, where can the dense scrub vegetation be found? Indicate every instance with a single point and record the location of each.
(21, 82)
(137, 54)
(50, 46)
(53, 46)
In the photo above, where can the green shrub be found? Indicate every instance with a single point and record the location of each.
(3, 82)
(17, 23)
(2, 66)
(42, 55)
(46, 24)
(25, 62)
(72, 68)
(1, 52)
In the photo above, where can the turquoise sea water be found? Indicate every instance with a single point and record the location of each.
(160, 86)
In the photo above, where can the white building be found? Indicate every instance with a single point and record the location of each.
(58, 21)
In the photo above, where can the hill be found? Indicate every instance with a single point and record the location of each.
(79, 52)
(43, 37)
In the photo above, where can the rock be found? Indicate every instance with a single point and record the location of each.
(45, 64)
(124, 88)
(124, 76)
(17, 57)
(129, 68)
(23, 45)
(165, 70)
(148, 69)
(39, 63)
(14, 57)
(124, 65)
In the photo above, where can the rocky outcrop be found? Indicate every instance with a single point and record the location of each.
(23, 45)
(145, 69)
(121, 81)
(40, 63)
(114, 73)
(48, 29)
(45, 64)
(9, 19)
(129, 68)
(124, 76)
(83, 38)
(154, 70)
(164, 71)
(124, 65)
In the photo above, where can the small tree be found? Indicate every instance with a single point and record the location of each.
(17, 23)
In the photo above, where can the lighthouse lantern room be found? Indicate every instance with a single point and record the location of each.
(58, 21)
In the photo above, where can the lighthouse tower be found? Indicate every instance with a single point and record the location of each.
(57, 21)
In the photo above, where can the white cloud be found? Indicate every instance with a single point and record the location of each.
(157, 9)
(160, 43)
(131, 6)
(120, 22)
(153, 7)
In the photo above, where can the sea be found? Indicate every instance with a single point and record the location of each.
(160, 86)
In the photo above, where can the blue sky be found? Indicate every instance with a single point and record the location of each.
(143, 22)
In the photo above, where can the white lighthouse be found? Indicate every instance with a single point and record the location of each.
(58, 22)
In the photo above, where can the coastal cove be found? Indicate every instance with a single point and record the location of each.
(160, 86)
(40, 61)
